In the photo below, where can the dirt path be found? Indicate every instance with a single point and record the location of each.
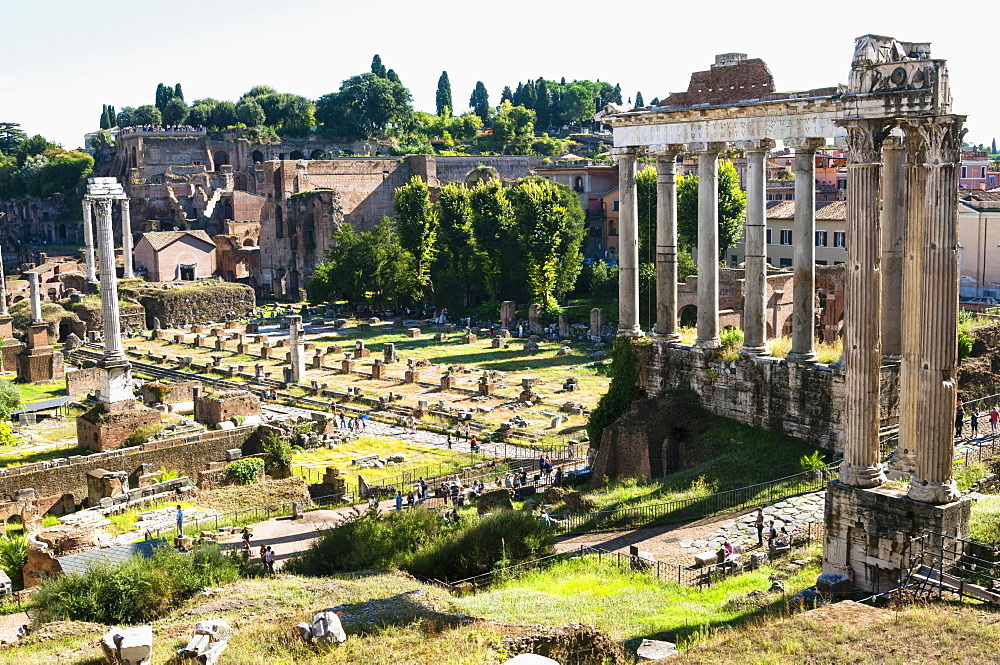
(9, 625)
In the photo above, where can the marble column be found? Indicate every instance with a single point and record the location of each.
(628, 248)
(937, 370)
(755, 258)
(35, 294)
(903, 460)
(296, 348)
(88, 240)
(126, 239)
(861, 466)
(708, 244)
(804, 253)
(666, 243)
(893, 215)
(116, 375)
(3, 288)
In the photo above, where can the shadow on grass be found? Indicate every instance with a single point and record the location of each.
(40, 456)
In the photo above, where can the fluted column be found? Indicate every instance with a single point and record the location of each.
(804, 256)
(708, 244)
(937, 373)
(893, 214)
(628, 248)
(755, 258)
(88, 240)
(3, 289)
(862, 302)
(666, 243)
(903, 459)
(36, 298)
(126, 239)
(109, 282)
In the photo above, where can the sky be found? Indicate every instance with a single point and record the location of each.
(62, 59)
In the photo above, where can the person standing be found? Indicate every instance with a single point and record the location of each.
(269, 559)
(959, 420)
(974, 424)
(180, 521)
(399, 500)
(994, 419)
(759, 524)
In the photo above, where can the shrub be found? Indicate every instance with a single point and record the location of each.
(810, 462)
(965, 342)
(164, 474)
(134, 591)
(245, 471)
(14, 557)
(278, 453)
(142, 434)
(624, 390)
(731, 339)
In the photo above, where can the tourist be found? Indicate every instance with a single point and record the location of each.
(559, 477)
(724, 552)
(399, 500)
(409, 499)
(373, 502)
(974, 424)
(423, 487)
(180, 521)
(772, 533)
(263, 554)
(245, 533)
(449, 440)
(959, 421)
(994, 419)
(759, 524)
(269, 559)
(474, 446)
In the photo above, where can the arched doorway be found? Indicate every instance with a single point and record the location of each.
(258, 157)
(221, 158)
(296, 154)
(317, 154)
(689, 316)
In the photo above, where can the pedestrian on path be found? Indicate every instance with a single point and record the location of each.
(269, 559)
(959, 421)
(399, 500)
(180, 521)
(759, 523)
(994, 419)
(246, 538)
(974, 424)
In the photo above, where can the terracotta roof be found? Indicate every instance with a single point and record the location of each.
(988, 195)
(160, 239)
(825, 210)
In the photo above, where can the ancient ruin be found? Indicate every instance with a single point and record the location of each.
(897, 97)
(39, 361)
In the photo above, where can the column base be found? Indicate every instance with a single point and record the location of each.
(753, 351)
(801, 357)
(933, 492)
(901, 464)
(710, 344)
(667, 338)
(864, 477)
(633, 332)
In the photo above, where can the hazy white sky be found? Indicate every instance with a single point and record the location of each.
(62, 59)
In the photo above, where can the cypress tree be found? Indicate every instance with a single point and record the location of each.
(178, 93)
(480, 101)
(443, 97)
(105, 123)
(617, 96)
(159, 97)
(112, 116)
(638, 100)
(543, 105)
(506, 95)
(378, 69)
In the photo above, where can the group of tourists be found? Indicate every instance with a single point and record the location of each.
(776, 539)
(993, 415)
(352, 423)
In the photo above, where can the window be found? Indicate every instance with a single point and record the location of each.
(821, 238)
(784, 263)
(614, 204)
(992, 180)
(821, 263)
(838, 238)
(982, 171)
(767, 234)
(965, 171)
(786, 236)
(838, 263)
(734, 260)
(841, 184)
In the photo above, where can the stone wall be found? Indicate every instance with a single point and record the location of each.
(158, 392)
(190, 455)
(207, 302)
(804, 401)
(216, 408)
(83, 381)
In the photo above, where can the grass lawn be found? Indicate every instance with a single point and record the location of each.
(36, 392)
(416, 458)
(13, 457)
(737, 456)
(628, 605)
(984, 526)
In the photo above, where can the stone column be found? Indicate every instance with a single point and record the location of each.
(126, 239)
(116, 377)
(708, 244)
(937, 368)
(88, 240)
(36, 298)
(804, 257)
(296, 350)
(666, 243)
(862, 306)
(3, 288)
(628, 249)
(893, 216)
(755, 259)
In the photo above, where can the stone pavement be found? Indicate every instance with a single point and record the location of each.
(790, 513)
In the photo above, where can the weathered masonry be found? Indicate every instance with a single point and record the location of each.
(902, 141)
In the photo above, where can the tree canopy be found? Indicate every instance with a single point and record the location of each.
(442, 98)
(364, 105)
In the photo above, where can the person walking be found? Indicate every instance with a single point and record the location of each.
(759, 524)
(180, 521)
(399, 500)
(269, 559)
(246, 535)
(994, 419)
(974, 424)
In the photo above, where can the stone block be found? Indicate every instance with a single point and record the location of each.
(128, 646)
(656, 650)
(469, 338)
(702, 559)
(831, 584)
(327, 629)
(413, 333)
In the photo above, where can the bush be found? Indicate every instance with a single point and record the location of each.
(624, 390)
(142, 434)
(245, 471)
(731, 339)
(965, 342)
(135, 591)
(489, 311)
(14, 557)
(278, 453)
(810, 462)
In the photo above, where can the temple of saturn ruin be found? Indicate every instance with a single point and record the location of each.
(902, 144)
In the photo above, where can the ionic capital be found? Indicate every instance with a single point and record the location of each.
(755, 145)
(710, 147)
(864, 139)
(806, 144)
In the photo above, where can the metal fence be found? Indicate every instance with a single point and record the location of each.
(697, 507)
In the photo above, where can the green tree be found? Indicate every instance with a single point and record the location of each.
(418, 225)
(147, 114)
(506, 95)
(175, 112)
(479, 102)
(638, 100)
(126, 117)
(378, 69)
(577, 103)
(57, 171)
(732, 206)
(10, 399)
(455, 238)
(178, 93)
(540, 220)
(224, 115)
(36, 145)
(11, 137)
(105, 119)
(645, 182)
(571, 237)
(513, 126)
(365, 104)
(442, 98)
(616, 96)
(543, 105)
(492, 221)
(250, 113)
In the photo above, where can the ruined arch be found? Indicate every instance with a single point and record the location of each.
(258, 157)
(317, 154)
(689, 316)
(786, 329)
(296, 154)
(221, 158)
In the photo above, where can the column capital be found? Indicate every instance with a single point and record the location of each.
(755, 145)
(103, 206)
(893, 142)
(124, 203)
(864, 139)
(625, 151)
(934, 140)
(708, 146)
(668, 149)
(806, 144)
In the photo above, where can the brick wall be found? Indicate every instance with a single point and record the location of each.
(83, 381)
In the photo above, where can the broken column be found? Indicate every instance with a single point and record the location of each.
(297, 355)
(535, 319)
(88, 241)
(38, 361)
(597, 320)
(389, 355)
(508, 318)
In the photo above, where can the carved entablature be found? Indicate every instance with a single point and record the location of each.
(918, 75)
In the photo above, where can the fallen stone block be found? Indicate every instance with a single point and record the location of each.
(327, 630)
(209, 640)
(656, 650)
(702, 559)
(831, 584)
(128, 646)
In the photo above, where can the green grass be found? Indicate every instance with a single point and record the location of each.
(737, 455)
(968, 474)
(36, 392)
(14, 457)
(984, 526)
(628, 605)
